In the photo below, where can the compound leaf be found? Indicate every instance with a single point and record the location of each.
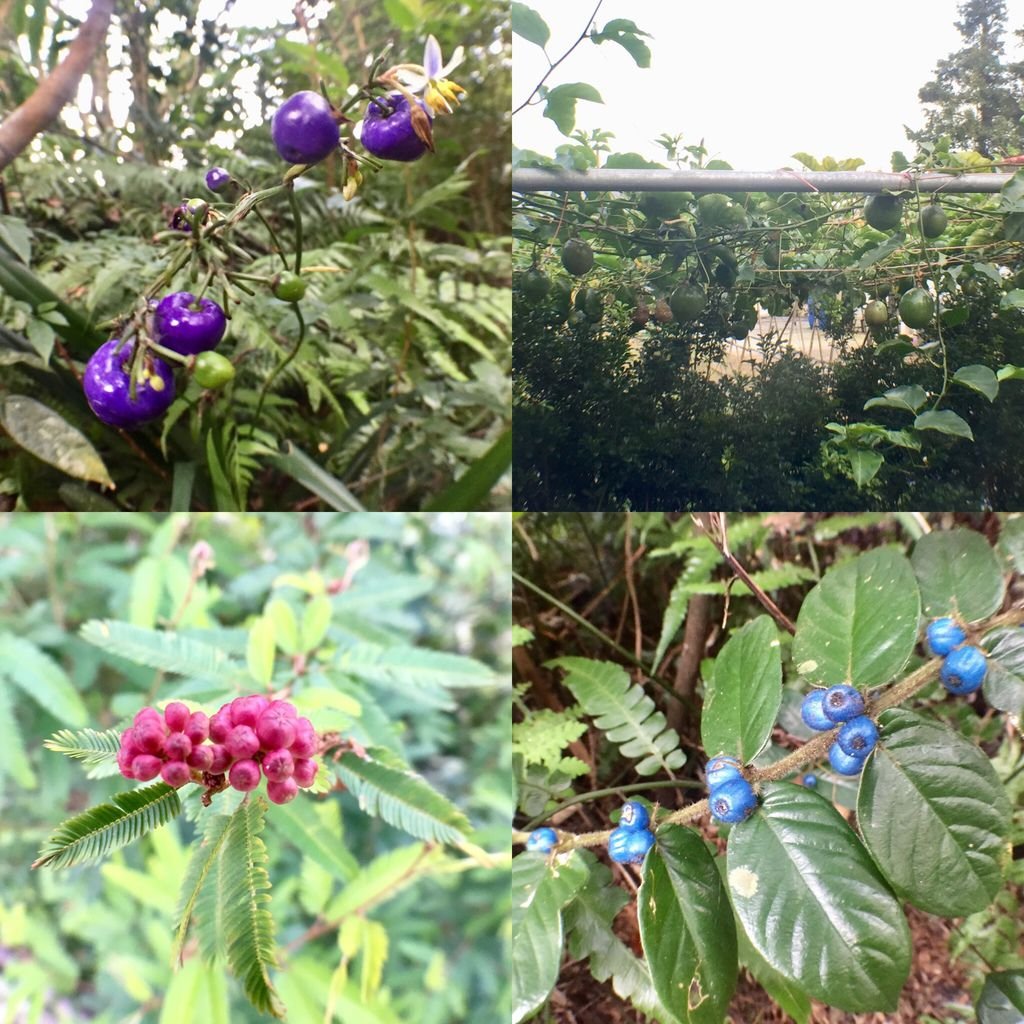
(624, 713)
(959, 574)
(204, 875)
(813, 903)
(100, 830)
(41, 678)
(933, 816)
(96, 750)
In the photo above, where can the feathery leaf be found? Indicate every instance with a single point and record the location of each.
(96, 750)
(201, 869)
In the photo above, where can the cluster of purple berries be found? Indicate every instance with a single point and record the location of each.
(731, 797)
(842, 705)
(249, 739)
(963, 665)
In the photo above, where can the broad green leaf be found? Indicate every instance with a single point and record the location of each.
(958, 573)
(100, 830)
(96, 750)
(945, 421)
(864, 465)
(627, 35)
(386, 787)
(1002, 999)
(560, 105)
(859, 625)
(286, 626)
(1010, 372)
(147, 589)
(687, 929)
(526, 22)
(624, 713)
(1004, 679)
(744, 693)
(49, 437)
(41, 678)
(978, 378)
(790, 996)
(933, 816)
(259, 650)
(316, 618)
(540, 889)
(14, 762)
(813, 903)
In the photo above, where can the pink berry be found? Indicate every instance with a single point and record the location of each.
(241, 742)
(220, 724)
(176, 715)
(276, 728)
(221, 759)
(146, 767)
(177, 746)
(247, 710)
(197, 728)
(125, 756)
(305, 772)
(282, 792)
(149, 737)
(148, 715)
(244, 775)
(306, 741)
(175, 773)
(278, 765)
(201, 758)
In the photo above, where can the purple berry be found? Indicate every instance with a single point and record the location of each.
(217, 179)
(197, 728)
(125, 756)
(175, 773)
(276, 727)
(244, 775)
(306, 742)
(282, 792)
(241, 743)
(177, 746)
(148, 715)
(176, 716)
(149, 737)
(812, 711)
(278, 765)
(247, 710)
(220, 725)
(388, 132)
(146, 767)
(304, 129)
(841, 703)
(221, 759)
(201, 758)
(188, 325)
(305, 772)
(107, 386)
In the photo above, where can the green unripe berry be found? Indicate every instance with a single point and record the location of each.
(212, 370)
(289, 287)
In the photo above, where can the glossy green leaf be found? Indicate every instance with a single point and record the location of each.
(687, 929)
(560, 105)
(933, 815)
(790, 997)
(978, 378)
(958, 573)
(813, 903)
(859, 625)
(864, 465)
(540, 889)
(50, 438)
(1004, 680)
(744, 693)
(41, 678)
(945, 421)
(1002, 999)
(526, 22)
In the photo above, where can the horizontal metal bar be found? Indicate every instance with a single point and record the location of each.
(539, 179)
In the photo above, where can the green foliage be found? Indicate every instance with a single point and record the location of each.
(542, 736)
(96, 750)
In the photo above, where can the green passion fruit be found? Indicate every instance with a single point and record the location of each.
(883, 212)
(589, 301)
(876, 313)
(687, 302)
(917, 308)
(663, 205)
(534, 284)
(577, 257)
(933, 220)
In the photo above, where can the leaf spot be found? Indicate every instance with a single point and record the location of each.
(743, 882)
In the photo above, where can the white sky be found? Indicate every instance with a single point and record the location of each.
(758, 80)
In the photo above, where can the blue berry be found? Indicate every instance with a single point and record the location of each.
(812, 711)
(721, 769)
(542, 840)
(842, 702)
(810, 780)
(732, 801)
(858, 736)
(942, 635)
(634, 817)
(963, 670)
(626, 846)
(843, 762)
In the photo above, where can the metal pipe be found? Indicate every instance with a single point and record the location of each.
(542, 179)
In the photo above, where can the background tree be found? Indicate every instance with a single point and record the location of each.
(975, 97)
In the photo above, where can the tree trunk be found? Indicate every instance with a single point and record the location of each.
(43, 107)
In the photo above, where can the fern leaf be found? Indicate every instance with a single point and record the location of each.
(96, 750)
(624, 713)
(386, 787)
(248, 926)
(202, 868)
(96, 832)
(158, 649)
(543, 735)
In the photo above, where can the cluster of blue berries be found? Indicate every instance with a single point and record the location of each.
(632, 837)
(963, 665)
(730, 797)
(541, 840)
(842, 705)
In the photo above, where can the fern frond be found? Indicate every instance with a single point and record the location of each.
(96, 832)
(623, 712)
(96, 750)
(171, 652)
(248, 925)
(202, 868)
(543, 735)
(388, 788)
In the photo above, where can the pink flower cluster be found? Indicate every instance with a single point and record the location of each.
(250, 738)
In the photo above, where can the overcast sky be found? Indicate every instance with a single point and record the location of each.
(758, 81)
